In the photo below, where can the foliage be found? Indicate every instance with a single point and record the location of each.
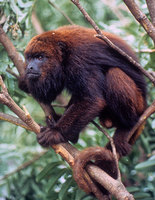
(50, 177)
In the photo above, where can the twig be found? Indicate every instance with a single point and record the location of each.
(146, 51)
(112, 45)
(36, 23)
(117, 10)
(12, 73)
(152, 73)
(149, 111)
(151, 8)
(61, 11)
(26, 112)
(24, 165)
(141, 18)
(113, 148)
(12, 52)
(14, 120)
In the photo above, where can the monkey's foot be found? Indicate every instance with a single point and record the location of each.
(48, 137)
(123, 148)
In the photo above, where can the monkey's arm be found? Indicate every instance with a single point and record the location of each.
(76, 117)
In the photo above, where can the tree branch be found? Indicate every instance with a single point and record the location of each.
(12, 52)
(113, 148)
(151, 8)
(141, 18)
(115, 187)
(11, 72)
(146, 50)
(149, 111)
(14, 120)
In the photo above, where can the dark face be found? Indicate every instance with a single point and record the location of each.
(44, 77)
(34, 65)
(44, 69)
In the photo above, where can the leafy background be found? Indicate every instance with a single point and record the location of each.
(50, 177)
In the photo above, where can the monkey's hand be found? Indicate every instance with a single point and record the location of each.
(48, 137)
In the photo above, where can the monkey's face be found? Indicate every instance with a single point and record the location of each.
(43, 70)
(34, 66)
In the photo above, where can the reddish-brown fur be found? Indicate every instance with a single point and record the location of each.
(102, 83)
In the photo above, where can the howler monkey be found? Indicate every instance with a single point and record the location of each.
(102, 83)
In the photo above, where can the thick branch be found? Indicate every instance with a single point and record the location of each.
(113, 186)
(12, 52)
(141, 18)
(14, 120)
(151, 8)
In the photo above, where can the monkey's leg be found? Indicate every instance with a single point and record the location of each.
(121, 143)
(76, 117)
(125, 100)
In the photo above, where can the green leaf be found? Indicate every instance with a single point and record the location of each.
(54, 178)
(24, 5)
(141, 195)
(145, 165)
(80, 194)
(11, 86)
(132, 189)
(15, 8)
(153, 124)
(52, 195)
(44, 173)
(64, 188)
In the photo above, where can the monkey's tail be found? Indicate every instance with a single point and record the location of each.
(102, 157)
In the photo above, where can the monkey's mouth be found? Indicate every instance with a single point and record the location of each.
(33, 75)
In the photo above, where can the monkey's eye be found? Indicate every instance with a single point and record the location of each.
(39, 57)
